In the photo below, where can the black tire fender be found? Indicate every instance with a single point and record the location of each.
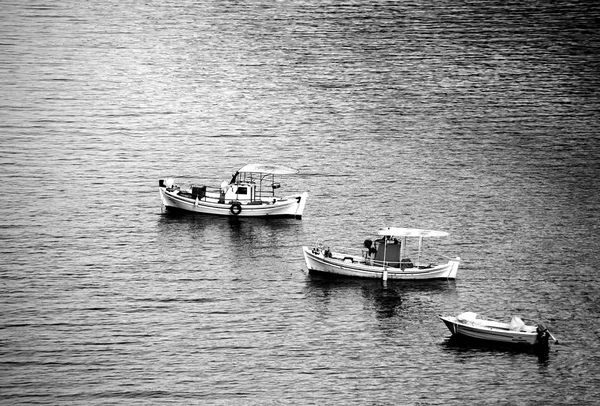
(236, 208)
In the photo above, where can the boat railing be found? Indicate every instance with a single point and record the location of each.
(410, 258)
(206, 193)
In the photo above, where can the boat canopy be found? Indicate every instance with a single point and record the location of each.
(269, 169)
(410, 232)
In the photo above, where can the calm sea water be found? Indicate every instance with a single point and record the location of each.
(475, 117)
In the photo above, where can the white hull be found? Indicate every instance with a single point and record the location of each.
(355, 266)
(290, 206)
(491, 331)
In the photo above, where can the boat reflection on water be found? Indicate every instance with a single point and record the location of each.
(169, 216)
(387, 302)
(388, 299)
(342, 282)
(467, 347)
(247, 225)
(225, 243)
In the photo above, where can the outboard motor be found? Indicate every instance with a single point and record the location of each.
(543, 335)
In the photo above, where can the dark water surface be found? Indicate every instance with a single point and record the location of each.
(476, 117)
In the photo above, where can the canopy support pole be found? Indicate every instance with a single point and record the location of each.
(385, 275)
(419, 252)
(402, 249)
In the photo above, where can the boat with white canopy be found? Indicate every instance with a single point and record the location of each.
(390, 256)
(251, 192)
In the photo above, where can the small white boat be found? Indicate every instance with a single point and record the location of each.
(388, 257)
(249, 193)
(467, 325)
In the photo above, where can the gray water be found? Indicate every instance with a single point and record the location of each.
(477, 118)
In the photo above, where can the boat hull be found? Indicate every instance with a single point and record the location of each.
(487, 333)
(291, 206)
(353, 266)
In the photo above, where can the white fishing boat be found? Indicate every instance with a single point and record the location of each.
(388, 257)
(468, 325)
(251, 192)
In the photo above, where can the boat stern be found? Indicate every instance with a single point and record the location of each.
(453, 264)
(301, 204)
